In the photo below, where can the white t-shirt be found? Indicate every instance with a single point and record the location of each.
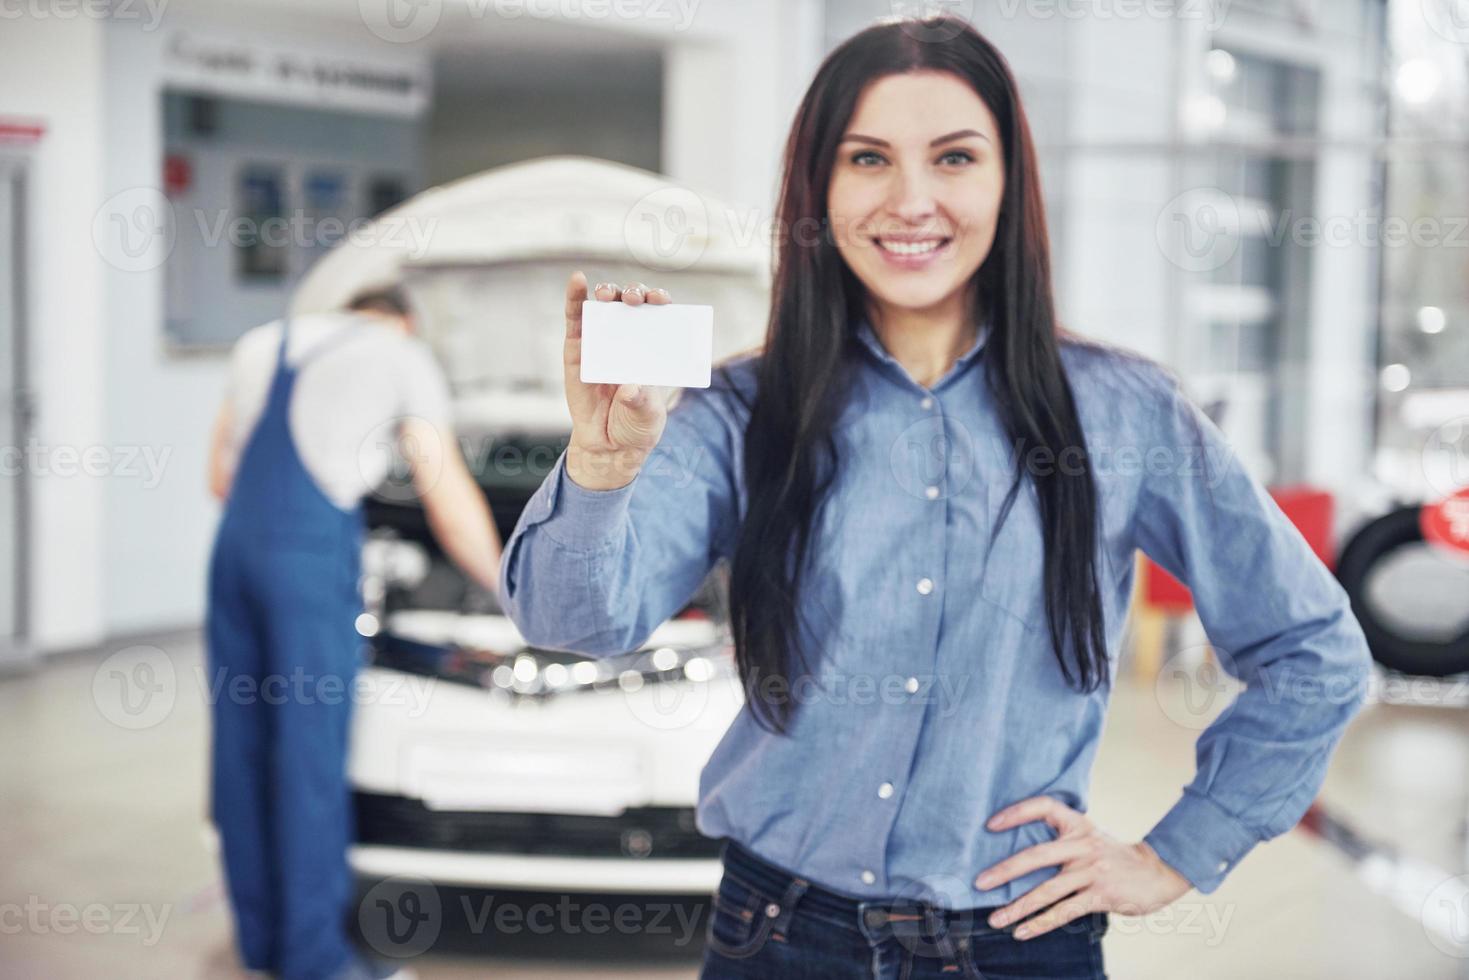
(359, 379)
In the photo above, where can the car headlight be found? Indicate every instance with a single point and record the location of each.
(532, 673)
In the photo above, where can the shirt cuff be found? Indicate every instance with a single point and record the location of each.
(575, 517)
(1201, 840)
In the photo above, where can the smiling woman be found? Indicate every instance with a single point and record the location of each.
(913, 480)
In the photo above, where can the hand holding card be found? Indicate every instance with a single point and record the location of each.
(614, 425)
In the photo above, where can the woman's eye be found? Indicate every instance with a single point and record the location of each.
(959, 156)
(858, 157)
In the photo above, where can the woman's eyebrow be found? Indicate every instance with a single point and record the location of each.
(957, 134)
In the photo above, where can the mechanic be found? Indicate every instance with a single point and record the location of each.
(297, 444)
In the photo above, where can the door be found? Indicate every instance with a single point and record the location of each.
(15, 415)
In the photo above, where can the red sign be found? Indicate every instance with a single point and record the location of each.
(178, 174)
(20, 130)
(1446, 523)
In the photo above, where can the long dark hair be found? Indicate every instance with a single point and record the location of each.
(790, 455)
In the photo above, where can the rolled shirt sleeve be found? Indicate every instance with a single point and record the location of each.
(1277, 620)
(596, 571)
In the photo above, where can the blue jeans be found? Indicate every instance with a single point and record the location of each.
(767, 923)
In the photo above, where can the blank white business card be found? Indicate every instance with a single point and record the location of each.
(666, 344)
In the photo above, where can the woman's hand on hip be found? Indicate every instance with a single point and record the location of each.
(613, 427)
(1098, 873)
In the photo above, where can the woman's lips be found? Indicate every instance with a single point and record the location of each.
(912, 254)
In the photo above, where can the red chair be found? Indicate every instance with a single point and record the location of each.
(1161, 595)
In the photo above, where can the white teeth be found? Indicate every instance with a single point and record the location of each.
(910, 248)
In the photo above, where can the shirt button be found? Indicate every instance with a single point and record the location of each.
(772, 910)
(1222, 866)
(925, 586)
(912, 685)
(926, 404)
(885, 790)
(932, 493)
(868, 877)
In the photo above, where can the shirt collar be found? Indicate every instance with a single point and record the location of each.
(868, 337)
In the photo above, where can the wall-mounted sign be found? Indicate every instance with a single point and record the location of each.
(256, 70)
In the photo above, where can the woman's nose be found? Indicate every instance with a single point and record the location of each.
(912, 198)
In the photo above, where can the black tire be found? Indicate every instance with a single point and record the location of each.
(1373, 542)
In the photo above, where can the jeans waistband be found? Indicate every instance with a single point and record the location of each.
(845, 910)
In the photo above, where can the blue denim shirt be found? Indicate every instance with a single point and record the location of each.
(936, 699)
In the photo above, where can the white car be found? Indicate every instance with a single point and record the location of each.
(477, 760)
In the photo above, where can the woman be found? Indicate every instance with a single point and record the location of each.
(930, 496)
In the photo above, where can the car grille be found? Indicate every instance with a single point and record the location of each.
(639, 832)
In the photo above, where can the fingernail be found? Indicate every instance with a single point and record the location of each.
(984, 881)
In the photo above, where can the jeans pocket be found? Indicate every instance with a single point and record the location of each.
(739, 919)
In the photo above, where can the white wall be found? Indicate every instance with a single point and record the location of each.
(52, 69)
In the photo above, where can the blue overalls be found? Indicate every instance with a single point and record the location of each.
(283, 655)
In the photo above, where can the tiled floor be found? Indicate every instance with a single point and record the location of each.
(106, 872)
